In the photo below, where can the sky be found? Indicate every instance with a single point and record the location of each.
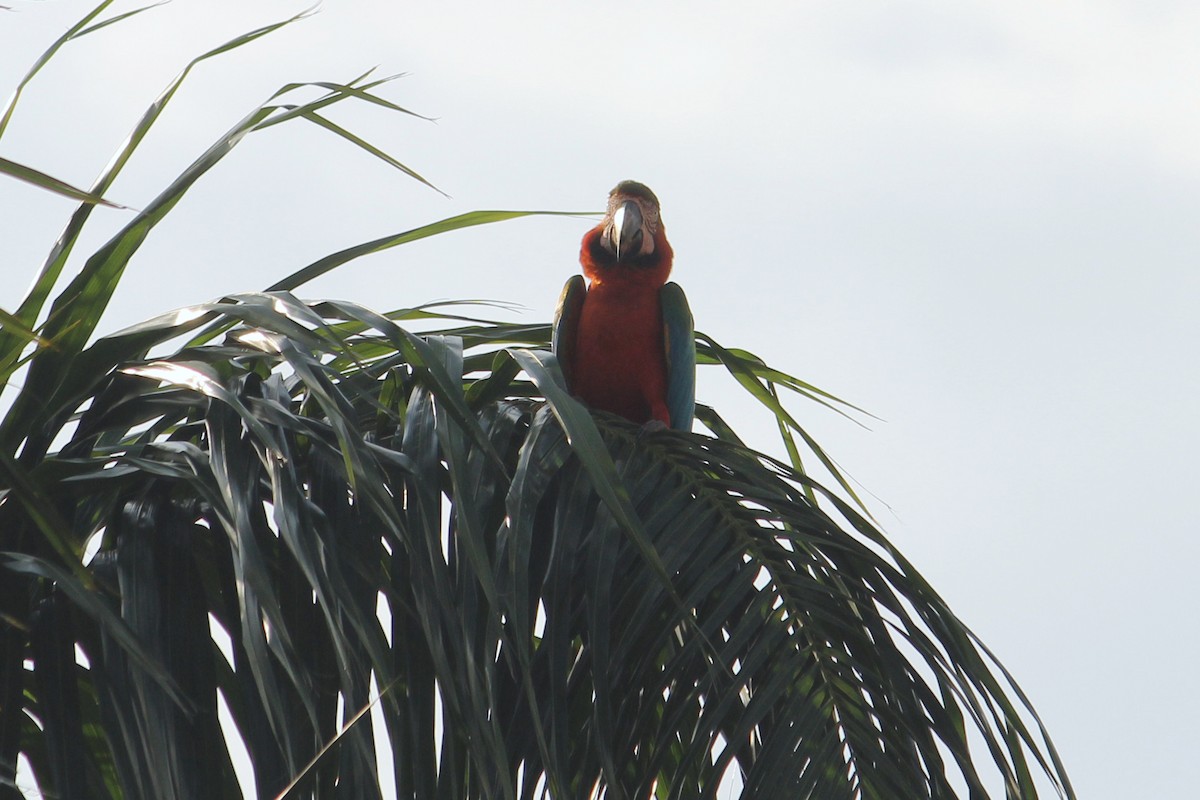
(976, 221)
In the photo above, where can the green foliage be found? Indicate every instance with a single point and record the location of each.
(304, 502)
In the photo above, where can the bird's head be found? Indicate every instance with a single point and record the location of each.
(630, 235)
(631, 221)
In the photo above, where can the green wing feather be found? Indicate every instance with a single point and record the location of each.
(680, 341)
(566, 324)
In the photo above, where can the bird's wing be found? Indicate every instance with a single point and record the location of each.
(566, 324)
(680, 340)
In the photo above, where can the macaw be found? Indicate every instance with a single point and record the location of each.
(625, 342)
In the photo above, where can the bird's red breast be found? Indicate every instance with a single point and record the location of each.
(619, 360)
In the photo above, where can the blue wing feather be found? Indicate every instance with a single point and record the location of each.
(680, 341)
(566, 324)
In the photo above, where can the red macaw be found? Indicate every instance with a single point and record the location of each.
(625, 343)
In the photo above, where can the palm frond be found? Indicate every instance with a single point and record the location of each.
(596, 610)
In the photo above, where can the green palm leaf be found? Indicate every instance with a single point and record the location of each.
(590, 605)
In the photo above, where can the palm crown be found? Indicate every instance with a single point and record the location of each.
(307, 510)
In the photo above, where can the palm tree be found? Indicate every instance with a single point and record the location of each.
(394, 538)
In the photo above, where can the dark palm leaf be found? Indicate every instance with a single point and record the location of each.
(594, 609)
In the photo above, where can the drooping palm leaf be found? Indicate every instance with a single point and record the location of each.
(727, 627)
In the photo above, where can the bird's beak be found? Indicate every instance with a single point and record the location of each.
(627, 230)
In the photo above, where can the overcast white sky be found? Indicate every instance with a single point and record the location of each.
(978, 221)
